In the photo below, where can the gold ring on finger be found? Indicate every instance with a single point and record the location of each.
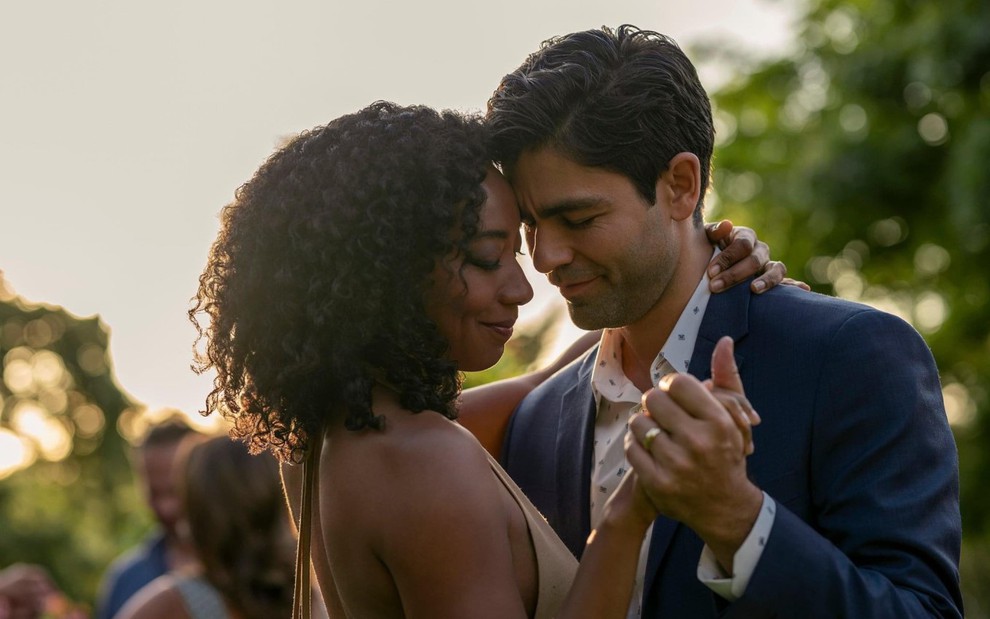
(650, 436)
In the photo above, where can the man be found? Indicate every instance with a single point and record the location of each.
(154, 462)
(849, 505)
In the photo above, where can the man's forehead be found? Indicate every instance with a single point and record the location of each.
(548, 183)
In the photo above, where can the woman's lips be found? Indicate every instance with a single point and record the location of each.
(503, 329)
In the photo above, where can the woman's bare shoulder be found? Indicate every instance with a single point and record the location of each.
(413, 454)
(417, 451)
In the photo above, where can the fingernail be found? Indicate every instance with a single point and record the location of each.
(759, 285)
(717, 285)
(714, 270)
(665, 381)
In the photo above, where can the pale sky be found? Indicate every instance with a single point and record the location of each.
(125, 126)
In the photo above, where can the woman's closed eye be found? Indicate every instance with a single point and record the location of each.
(486, 265)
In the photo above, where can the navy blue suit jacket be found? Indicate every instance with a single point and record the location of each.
(854, 448)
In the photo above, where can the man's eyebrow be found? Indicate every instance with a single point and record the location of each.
(568, 205)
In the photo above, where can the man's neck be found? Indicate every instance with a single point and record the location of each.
(643, 340)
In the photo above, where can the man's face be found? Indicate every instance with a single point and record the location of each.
(159, 484)
(610, 253)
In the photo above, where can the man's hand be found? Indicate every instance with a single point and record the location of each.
(695, 468)
(744, 255)
(726, 385)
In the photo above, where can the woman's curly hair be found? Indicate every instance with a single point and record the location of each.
(314, 287)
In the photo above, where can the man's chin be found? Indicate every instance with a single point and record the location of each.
(591, 318)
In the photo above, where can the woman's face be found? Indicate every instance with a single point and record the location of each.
(476, 294)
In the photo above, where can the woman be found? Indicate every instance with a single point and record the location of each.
(233, 505)
(356, 274)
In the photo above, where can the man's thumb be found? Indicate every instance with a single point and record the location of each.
(725, 374)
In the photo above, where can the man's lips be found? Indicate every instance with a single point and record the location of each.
(571, 288)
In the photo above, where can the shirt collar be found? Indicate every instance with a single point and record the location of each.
(607, 379)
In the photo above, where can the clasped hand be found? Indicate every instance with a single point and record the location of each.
(688, 450)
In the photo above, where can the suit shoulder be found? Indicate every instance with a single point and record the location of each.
(563, 380)
(786, 306)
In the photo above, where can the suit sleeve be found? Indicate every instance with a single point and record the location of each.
(885, 536)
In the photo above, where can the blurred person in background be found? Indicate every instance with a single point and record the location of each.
(163, 550)
(23, 591)
(234, 512)
(27, 592)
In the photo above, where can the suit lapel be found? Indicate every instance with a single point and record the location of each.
(727, 314)
(575, 429)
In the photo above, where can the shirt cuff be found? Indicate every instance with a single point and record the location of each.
(711, 574)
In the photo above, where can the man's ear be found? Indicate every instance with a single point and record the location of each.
(681, 183)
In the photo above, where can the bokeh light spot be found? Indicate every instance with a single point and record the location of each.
(888, 232)
(931, 259)
(854, 121)
(725, 128)
(38, 333)
(15, 453)
(959, 405)
(18, 377)
(49, 434)
(930, 311)
(92, 359)
(89, 420)
(48, 370)
(933, 129)
(742, 187)
(917, 95)
(840, 28)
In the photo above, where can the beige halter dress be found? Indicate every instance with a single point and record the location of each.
(556, 565)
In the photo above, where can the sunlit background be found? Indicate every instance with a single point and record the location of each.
(126, 126)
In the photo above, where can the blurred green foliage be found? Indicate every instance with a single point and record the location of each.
(75, 506)
(862, 158)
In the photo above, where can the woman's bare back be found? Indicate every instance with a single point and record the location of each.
(410, 521)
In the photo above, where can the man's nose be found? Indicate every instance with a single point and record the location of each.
(549, 249)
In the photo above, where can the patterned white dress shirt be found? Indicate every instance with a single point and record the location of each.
(618, 399)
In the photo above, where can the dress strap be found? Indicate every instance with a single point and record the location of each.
(302, 597)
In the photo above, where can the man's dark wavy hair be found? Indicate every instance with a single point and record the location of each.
(314, 288)
(627, 100)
